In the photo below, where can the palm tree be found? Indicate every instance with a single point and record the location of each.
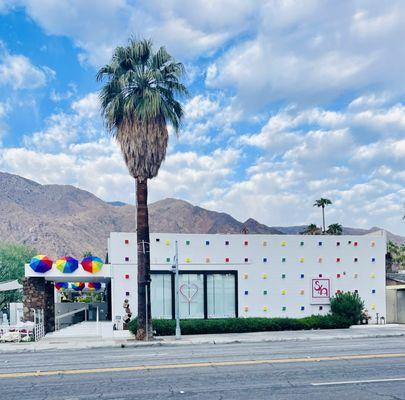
(138, 101)
(322, 203)
(311, 229)
(334, 229)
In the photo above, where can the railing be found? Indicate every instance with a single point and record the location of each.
(58, 318)
(39, 332)
(39, 327)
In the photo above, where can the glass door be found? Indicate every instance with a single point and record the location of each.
(191, 287)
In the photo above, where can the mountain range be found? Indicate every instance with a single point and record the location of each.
(62, 219)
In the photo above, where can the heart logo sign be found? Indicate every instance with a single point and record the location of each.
(188, 291)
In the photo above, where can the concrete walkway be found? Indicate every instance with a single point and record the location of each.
(355, 332)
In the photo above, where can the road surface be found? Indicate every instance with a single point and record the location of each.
(318, 369)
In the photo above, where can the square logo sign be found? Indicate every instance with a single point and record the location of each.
(320, 291)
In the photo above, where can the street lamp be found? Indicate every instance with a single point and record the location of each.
(175, 269)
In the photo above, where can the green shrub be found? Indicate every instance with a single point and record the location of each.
(347, 305)
(166, 327)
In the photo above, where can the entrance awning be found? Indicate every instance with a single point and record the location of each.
(10, 285)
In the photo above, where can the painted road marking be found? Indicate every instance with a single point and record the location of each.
(354, 382)
(198, 365)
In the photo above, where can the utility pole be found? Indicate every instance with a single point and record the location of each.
(175, 268)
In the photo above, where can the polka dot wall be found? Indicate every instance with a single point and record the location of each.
(275, 273)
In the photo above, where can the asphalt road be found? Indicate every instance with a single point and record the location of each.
(325, 369)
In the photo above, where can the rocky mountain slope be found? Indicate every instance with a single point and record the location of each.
(62, 219)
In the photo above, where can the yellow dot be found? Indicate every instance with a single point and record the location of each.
(372, 275)
(301, 259)
(373, 306)
(264, 276)
(167, 242)
(283, 243)
(187, 260)
(283, 292)
(265, 308)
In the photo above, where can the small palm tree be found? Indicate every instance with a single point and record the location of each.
(322, 203)
(138, 101)
(311, 229)
(334, 229)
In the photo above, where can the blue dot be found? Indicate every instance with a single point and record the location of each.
(302, 308)
(302, 275)
(246, 292)
(264, 259)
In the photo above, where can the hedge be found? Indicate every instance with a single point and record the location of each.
(166, 327)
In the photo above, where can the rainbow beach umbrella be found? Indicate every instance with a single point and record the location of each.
(94, 286)
(78, 286)
(41, 263)
(92, 264)
(61, 285)
(67, 264)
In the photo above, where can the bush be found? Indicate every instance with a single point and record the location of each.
(347, 305)
(166, 327)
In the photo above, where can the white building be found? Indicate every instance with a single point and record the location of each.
(225, 275)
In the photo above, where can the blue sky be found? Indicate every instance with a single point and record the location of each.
(289, 101)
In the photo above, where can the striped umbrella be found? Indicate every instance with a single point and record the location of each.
(94, 286)
(92, 264)
(41, 263)
(78, 286)
(67, 264)
(61, 285)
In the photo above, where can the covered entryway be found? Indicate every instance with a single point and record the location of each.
(66, 299)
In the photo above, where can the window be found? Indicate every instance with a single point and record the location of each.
(202, 294)
(191, 287)
(161, 295)
(221, 295)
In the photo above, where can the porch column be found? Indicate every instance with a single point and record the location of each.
(38, 294)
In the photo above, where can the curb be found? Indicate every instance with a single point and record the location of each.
(131, 343)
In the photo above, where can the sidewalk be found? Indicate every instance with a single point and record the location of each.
(355, 332)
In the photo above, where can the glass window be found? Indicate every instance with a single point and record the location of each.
(221, 295)
(191, 287)
(161, 296)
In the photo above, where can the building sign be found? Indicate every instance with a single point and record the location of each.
(320, 291)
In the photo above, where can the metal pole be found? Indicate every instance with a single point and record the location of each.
(147, 316)
(176, 291)
(98, 322)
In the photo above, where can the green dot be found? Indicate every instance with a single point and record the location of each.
(187, 242)
(283, 259)
(167, 259)
(283, 276)
(284, 308)
(264, 292)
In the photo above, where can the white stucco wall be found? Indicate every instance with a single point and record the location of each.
(255, 275)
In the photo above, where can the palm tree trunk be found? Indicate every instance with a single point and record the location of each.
(323, 218)
(142, 234)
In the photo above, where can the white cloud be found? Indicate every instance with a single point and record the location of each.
(61, 129)
(18, 72)
(188, 30)
(303, 52)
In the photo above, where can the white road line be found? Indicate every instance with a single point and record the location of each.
(361, 381)
(128, 356)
